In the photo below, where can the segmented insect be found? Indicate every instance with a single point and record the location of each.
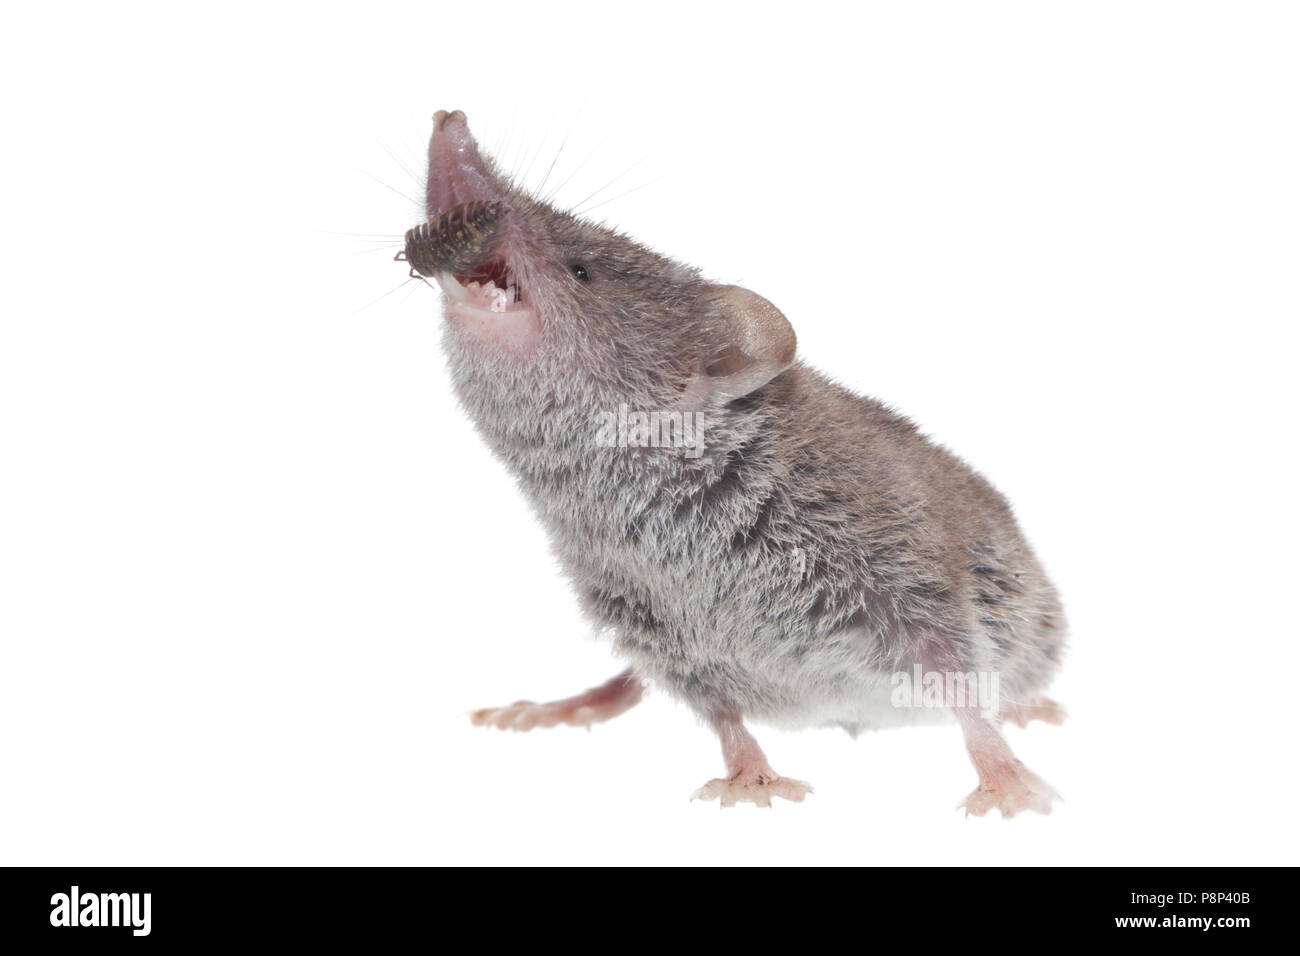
(458, 241)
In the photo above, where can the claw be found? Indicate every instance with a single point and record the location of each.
(758, 790)
(1009, 791)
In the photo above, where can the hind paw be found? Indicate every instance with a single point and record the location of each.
(1009, 790)
(758, 790)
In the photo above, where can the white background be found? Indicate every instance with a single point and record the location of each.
(255, 565)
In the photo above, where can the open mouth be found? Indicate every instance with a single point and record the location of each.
(471, 245)
(489, 287)
(464, 249)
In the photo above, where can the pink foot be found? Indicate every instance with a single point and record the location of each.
(757, 789)
(1044, 709)
(1010, 789)
(752, 779)
(590, 707)
(1005, 783)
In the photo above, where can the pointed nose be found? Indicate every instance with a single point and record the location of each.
(457, 173)
(452, 129)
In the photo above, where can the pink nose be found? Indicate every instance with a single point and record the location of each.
(457, 173)
(451, 127)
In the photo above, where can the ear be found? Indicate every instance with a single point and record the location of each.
(758, 344)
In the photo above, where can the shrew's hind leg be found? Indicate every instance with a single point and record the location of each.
(750, 777)
(1005, 783)
(590, 707)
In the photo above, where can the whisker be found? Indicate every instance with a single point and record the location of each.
(578, 205)
(537, 152)
(422, 281)
(657, 179)
(398, 160)
(556, 191)
(375, 302)
(375, 241)
(376, 236)
(550, 168)
(564, 142)
(390, 188)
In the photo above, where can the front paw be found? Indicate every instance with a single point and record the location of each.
(524, 715)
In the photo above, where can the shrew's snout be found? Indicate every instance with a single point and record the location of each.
(458, 173)
(465, 243)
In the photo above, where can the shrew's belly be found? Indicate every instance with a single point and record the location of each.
(786, 683)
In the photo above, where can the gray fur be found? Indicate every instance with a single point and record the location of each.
(818, 545)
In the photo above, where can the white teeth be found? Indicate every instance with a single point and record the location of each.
(451, 288)
(482, 294)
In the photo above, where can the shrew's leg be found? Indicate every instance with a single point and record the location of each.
(750, 777)
(590, 707)
(1005, 783)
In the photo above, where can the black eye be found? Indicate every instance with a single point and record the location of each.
(581, 272)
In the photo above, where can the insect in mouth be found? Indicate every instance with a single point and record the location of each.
(458, 241)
